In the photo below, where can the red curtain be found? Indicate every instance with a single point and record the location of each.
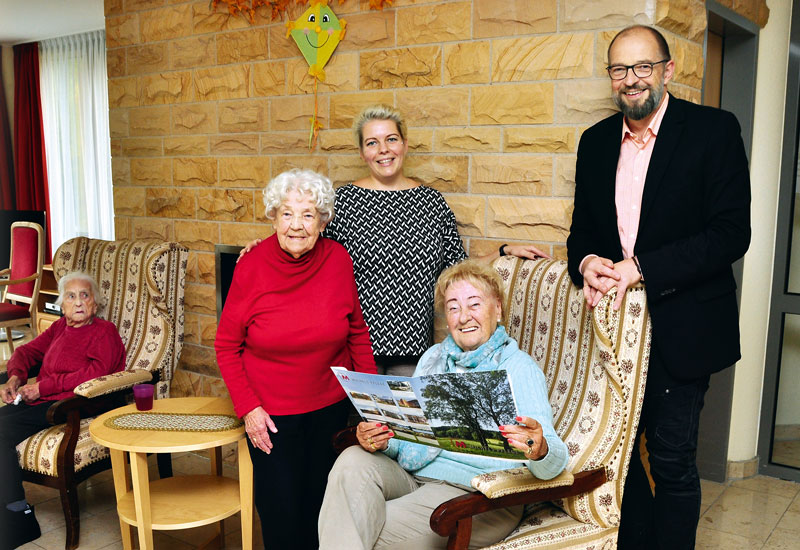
(7, 199)
(31, 166)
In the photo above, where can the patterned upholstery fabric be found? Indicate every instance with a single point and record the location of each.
(112, 382)
(142, 287)
(517, 480)
(595, 363)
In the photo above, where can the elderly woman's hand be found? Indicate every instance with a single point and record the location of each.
(30, 392)
(247, 248)
(527, 436)
(9, 390)
(373, 436)
(258, 424)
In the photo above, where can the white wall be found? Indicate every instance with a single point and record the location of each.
(773, 51)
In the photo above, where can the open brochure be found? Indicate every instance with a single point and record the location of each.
(458, 412)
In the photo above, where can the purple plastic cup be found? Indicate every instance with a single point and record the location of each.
(143, 395)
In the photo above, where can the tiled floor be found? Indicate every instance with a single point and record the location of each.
(757, 513)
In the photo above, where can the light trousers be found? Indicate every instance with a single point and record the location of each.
(372, 502)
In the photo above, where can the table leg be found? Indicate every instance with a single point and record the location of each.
(141, 499)
(216, 470)
(122, 484)
(246, 494)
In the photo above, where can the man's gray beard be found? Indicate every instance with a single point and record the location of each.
(638, 112)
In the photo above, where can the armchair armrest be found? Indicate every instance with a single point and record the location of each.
(110, 383)
(8, 282)
(453, 518)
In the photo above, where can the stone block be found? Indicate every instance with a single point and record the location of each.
(530, 219)
(197, 235)
(689, 63)
(185, 383)
(446, 173)
(115, 62)
(116, 147)
(280, 164)
(234, 144)
(341, 75)
(149, 121)
(401, 68)
(194, 172)
(122, 227)
(239, 172)
(142, 147)
(214, 386)
(552, 139)
(685, 92)
(120, 171)
(153, 228)
(555, 56)
(166, 23)
(139, 5)
(513, 17)
(583, 101)
(192, 52)
(434, 107)
(242, 233)
(240, 46)
(149, 58)
(113, 7)
(345, 169)
(191, 326)
(294, 112)
(248, 115)
(564, 184)
(174, 87)
(373, 29)
(166, 202)
(420, 140)
(345, 107)
(129, 201)
(512, 104)
(434, 23)
(196, 118)
(155, 172)
(281, 46)
(590, 14)
(206, 269)
(118, 122)
(208, 327)
(225, 205)
(604, 38)
(512, 174)
(122, 92)
(122, 30)
(467, 140)
(336, 141)
(684, 17)
(268, 79)
(283, 142)
(185, 145)
(470, 213)
(467, 63)
(207, 20)
(201, 299)
(228, 82)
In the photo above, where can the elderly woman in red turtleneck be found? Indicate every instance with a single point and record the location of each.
(291, 313)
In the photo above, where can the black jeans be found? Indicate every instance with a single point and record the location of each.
(289, 483)
(670, 419)
(16, 423)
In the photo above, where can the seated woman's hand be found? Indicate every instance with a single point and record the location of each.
(247, 248)
(30, 392)
(527, 436)
(8, 392)
(258, 424)
(373, 436)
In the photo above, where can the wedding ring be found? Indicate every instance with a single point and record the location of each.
(370, 441)
(371, 444)
(529, 443)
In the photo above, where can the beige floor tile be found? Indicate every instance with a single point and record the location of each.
(708, 539)
(97, 498)
(771, 485)
(35, 494)
(747, 513)
(781, 539)
(710, 491)
(96, 532)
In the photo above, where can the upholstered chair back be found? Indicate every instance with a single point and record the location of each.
(26, 260)
(595, 362)
(141, 292)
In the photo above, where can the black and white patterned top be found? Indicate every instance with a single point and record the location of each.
(400, 242)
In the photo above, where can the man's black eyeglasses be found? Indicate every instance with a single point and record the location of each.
(641, 70)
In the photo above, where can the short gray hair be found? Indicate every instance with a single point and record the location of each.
(377, 112)
(307, 182)
(79, 276)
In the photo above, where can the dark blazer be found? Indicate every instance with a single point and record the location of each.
(695, 222)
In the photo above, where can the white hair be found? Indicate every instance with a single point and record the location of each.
(79, 276)
(307, 182)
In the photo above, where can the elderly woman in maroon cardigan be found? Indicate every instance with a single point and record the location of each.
(74, 349)
(291, 313)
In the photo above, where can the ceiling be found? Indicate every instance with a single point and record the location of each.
(34, 20)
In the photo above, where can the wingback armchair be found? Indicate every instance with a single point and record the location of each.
(142, 286)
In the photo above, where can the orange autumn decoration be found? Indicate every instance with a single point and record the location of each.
(247, 8)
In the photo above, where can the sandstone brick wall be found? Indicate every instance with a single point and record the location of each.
(206, 107)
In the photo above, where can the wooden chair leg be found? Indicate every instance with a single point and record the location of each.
(164, 461)
(9, 339)
(69, 503)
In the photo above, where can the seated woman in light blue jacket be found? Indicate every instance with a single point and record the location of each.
(381, 493)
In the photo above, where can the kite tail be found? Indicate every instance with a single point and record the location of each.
(315, 125)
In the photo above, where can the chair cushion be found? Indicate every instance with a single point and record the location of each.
(11, 312)
(38, 452)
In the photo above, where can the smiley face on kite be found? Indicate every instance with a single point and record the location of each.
(317, 33)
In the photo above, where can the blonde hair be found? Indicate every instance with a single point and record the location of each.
(377, 112)
(307, 182)
(476, 273)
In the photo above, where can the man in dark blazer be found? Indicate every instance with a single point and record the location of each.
(662, 196)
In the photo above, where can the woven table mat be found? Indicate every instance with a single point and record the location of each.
(173, 422)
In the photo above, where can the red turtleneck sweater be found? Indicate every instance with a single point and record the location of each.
(286, 321)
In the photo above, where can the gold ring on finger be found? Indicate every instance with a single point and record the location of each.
(371, 444)
(370, 440)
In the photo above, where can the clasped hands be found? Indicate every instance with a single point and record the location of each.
(9, 391)
(601, 275)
